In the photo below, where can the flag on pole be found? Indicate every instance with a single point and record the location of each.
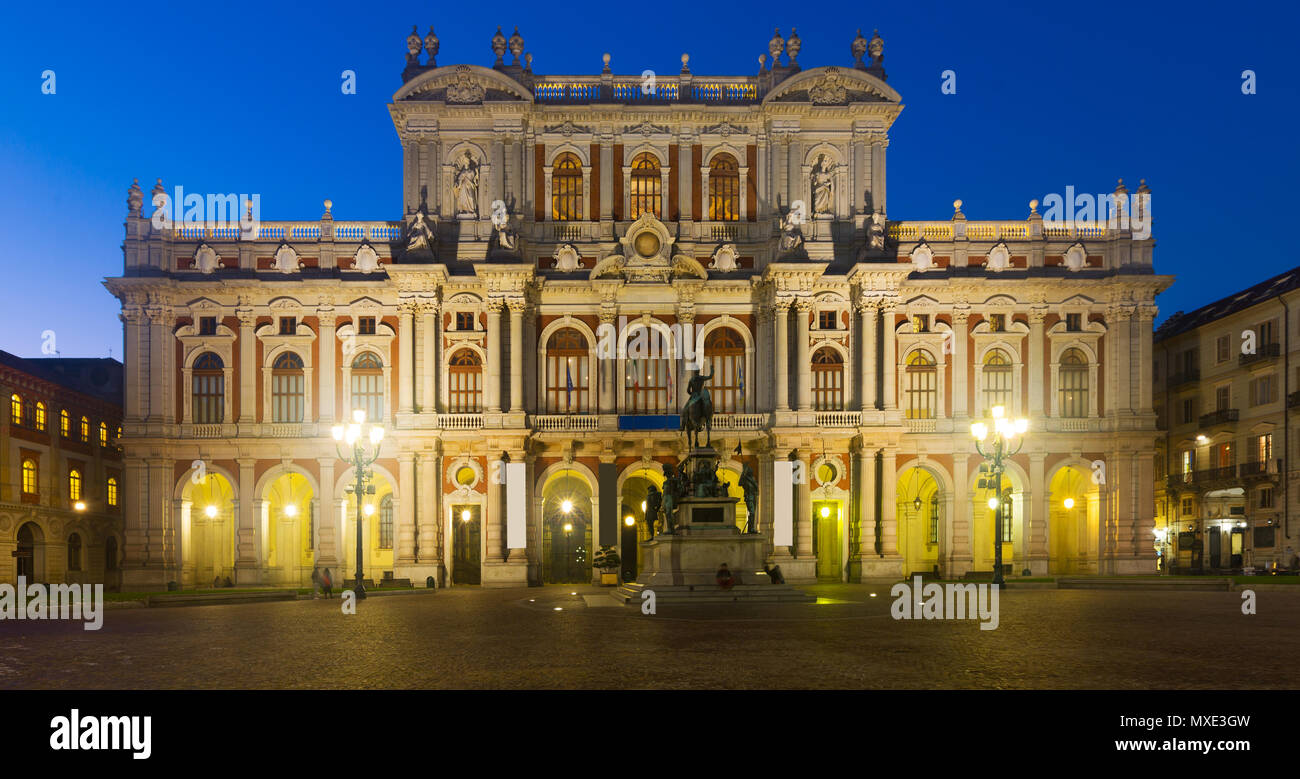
(742, 381)
(568, 385)
(671, 397)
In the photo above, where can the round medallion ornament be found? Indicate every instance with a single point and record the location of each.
(5, 524)
(647, 244)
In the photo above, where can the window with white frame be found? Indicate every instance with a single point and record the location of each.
(287, 388)
(368, 385)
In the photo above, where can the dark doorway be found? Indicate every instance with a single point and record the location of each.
(568, 541)
(465, 545)
(1216, 549)
(630, 536)
(25, 555)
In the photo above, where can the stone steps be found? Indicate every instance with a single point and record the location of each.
(741, 593)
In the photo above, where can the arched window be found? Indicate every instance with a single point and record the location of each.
(724, 189)
(112, 491)
(287, 385)
(649, 380)
(209, 390)
(647, 187)
(29, 477)
(465, 388)
(16, 409)
(386, 522)
(1073, 384)
(997, 379)
(725, 352)
(368, 385)
(85, 430)
(40, 416)
(922, 385)
(74, 484)
(74, 552)
(566, 188)
(103, 434)
(828, 380)
(567, 372)
(65, 423)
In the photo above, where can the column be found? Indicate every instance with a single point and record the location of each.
(247, 367)
(782, 342)
(878, 173)
(1144, 334)
(405, 551)
(803, 530)
(889, 503)
(325, 403)
(429, 377)
(327, 554)
(1038, 513)
(517, 356)
(430, 514)
(891, 356)
(492, 383)
(496, 526)
(608, 364)
(803, 308)
(157, 362)
(960, 361)
(606, 178)
(247, 534)
(133, 319)
(870, 315)
(1036, 364)
(959, 551)
(160, 520)
(1124, 361)
(405, 357)
(866, 483)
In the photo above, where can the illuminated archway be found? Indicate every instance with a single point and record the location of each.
(634, 487)
(920, 513)
(378, 525)
(207, 531)
(567, 519)
(1072, 522)
(984, 520)
(290, 526)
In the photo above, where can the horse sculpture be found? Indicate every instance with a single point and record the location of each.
(697, 414)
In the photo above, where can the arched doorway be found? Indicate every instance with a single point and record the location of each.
(566, 529)
(289, 527)
(984, 521)
(466, 544)
(207, 524)
(1073, 515)
(30, 555)
(378, 526)
(633, 503)
(920, 520)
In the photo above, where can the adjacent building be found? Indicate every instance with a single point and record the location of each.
(572, 250)
(1225, 403)
(63, 490)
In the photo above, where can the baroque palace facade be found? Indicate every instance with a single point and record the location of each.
(572, 249)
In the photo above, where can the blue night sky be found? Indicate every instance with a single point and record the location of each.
(243, 97)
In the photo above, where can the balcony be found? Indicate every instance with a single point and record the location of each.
(739, 421)
(1186, 377)
(921, 425)
(1210, 476)
(547, 423)
(1262, 469)
(1293, 400)
(842, 418)
(1265, 352)
(460, 421)
(1223, 416)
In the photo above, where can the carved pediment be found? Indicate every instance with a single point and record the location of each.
(725, 129)
(833, 86)
(568, 129)
(463, 85)
(286, 259)
(647, 129)
(206, 259)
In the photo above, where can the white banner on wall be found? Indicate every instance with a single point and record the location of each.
(516, 506)
(782, 503)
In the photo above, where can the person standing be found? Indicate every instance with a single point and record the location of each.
(316, 583)
(328, 582)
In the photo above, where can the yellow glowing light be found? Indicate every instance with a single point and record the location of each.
(568, 527)
(376, 434)
(993, 503)
(1200, 439)
(1069, 503)
(359, 416)
(80, 506)
(1022, 425)
(643, 507)
(337, 432)
(211, 511)
(566, 506)
(980, 431)
(629, 521)
(464, 515)
(999, 412)
(291, 510)
(826, 512)
(368, 509)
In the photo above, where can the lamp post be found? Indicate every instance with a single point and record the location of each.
(355, 435)
(1006, 433)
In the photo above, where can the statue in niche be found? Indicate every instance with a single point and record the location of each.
(653, 502)
(464, 188)
(823, 176)
(876, 232)
(419, 232)
(791, 234)
(505, 238)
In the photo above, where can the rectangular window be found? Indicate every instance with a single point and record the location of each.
(288, 325)
(1266, 498)
(1222, 455)
(1222, 349)
(921, 323)
(208, 325)
(1188, 508)
(366, 325)
(1267, 333)
(1262, 448)
(1222, 397)
(998, 323)
(1189, 410)
(287, 396)
(464, 320)
(826, 320)
(1263, 390)
(1072, 322)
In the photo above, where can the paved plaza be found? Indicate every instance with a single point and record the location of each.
(516, 639)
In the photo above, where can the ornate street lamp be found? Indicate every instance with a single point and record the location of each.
(355, 435)
(1006, 433)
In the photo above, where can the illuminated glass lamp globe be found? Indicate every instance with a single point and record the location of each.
(291, 510)
(368, 509)
(1069, 503)
(826, 512)
(646, 244)
(629, 520)
(464, 515)
(211, 511)
(993, 503)
(566, 506)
